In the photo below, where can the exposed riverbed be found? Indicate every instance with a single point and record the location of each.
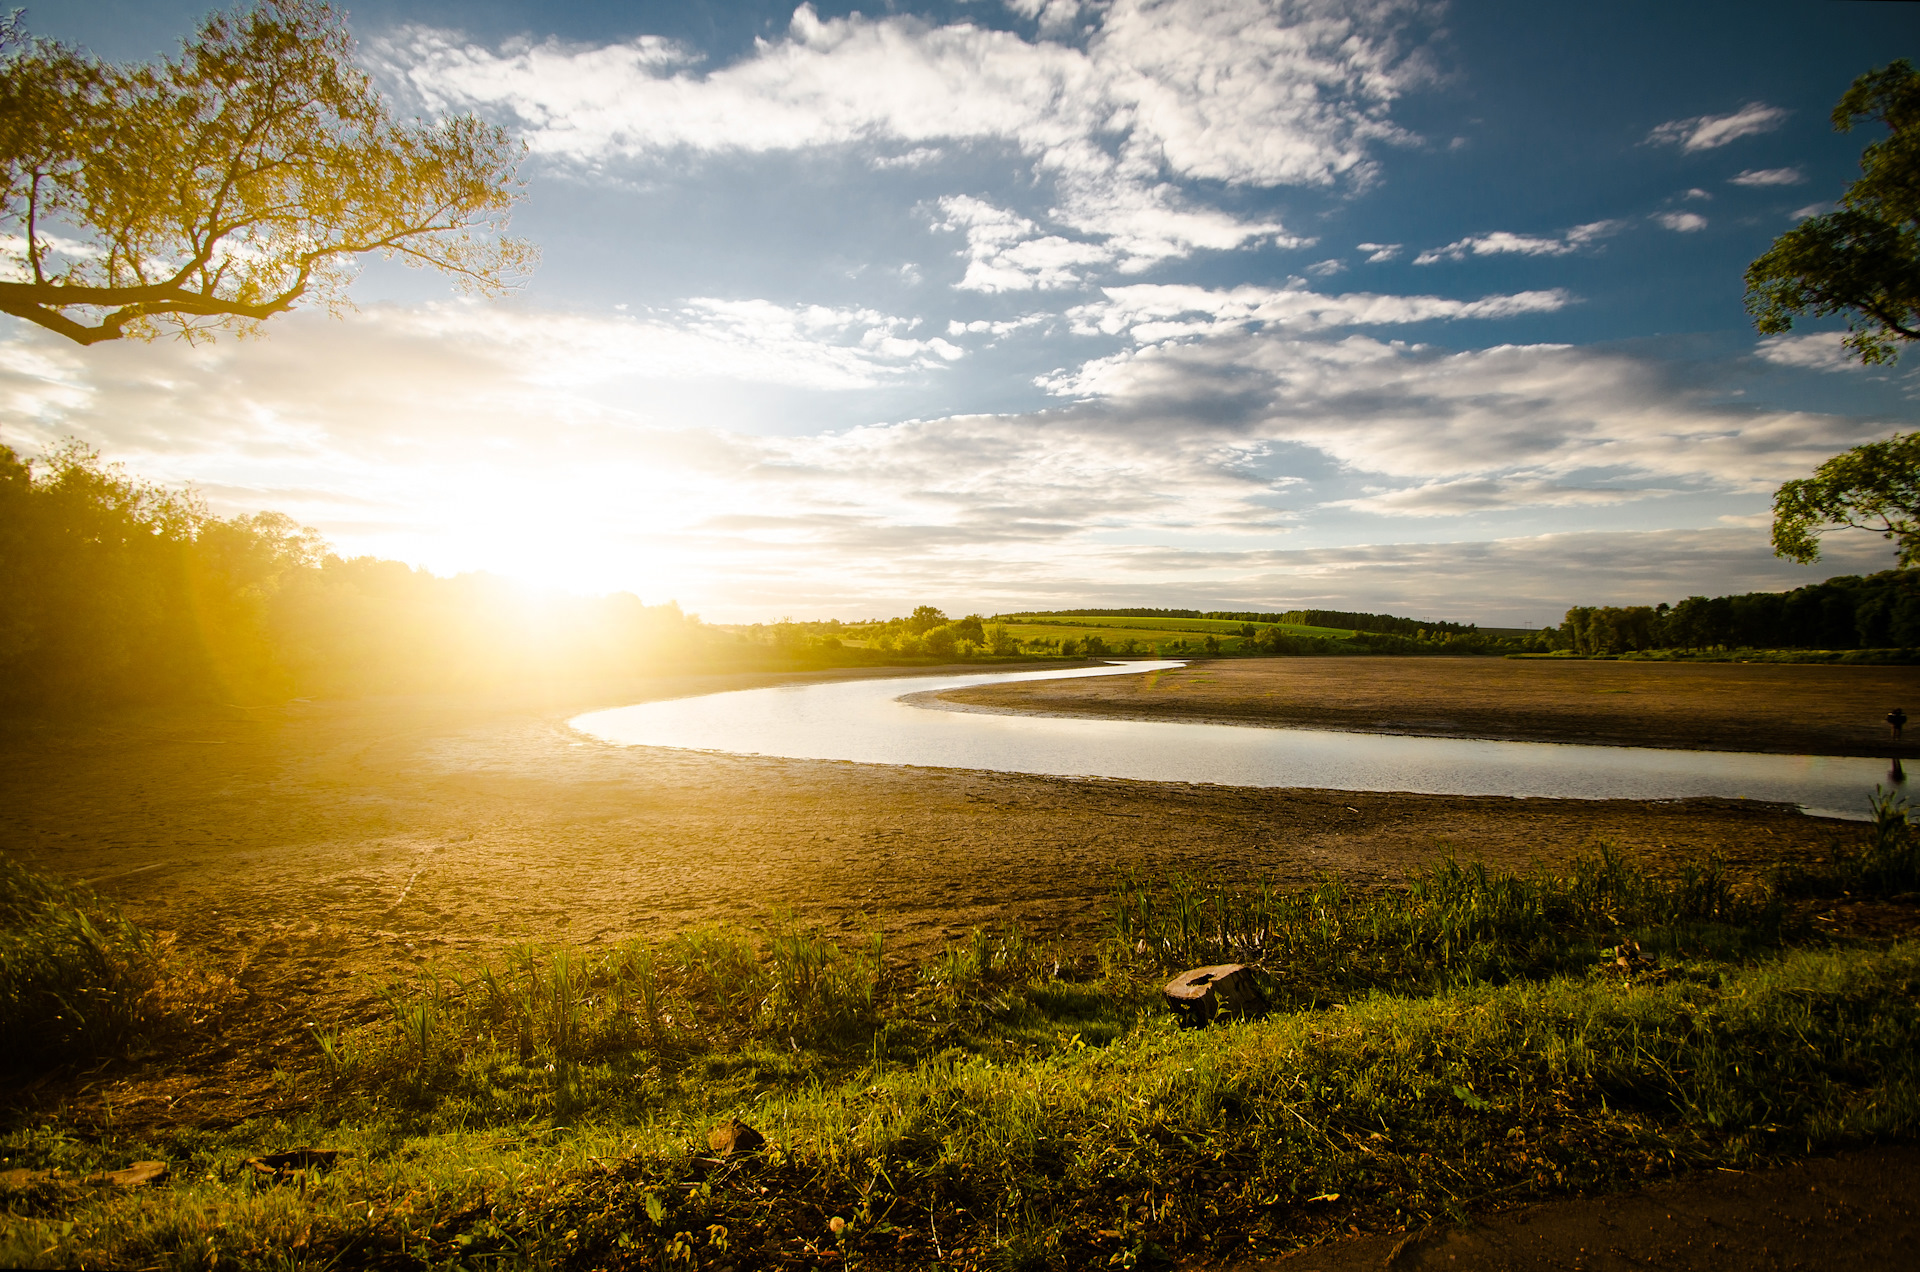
(908, 721)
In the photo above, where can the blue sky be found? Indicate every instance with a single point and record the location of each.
(1399, 306)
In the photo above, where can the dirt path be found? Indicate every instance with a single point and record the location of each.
(1787, 709)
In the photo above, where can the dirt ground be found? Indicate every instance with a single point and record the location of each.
(1788, 709)
(393, 827)
(314, 843)
(1850, 1213)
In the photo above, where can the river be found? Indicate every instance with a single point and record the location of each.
(895, 721)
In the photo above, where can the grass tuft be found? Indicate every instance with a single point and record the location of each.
(79, 982)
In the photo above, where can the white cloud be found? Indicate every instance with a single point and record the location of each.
(1152, 312)
(1681, 222)
(1709, 132)
(998, 327)
(1260, 94)
(1412, 414)
(1812, 209)
(1502, 242)
(1378, 252)
(586, 450)
(1816, 351)
(1769, 177)
(1696, 193)
(1484, 494)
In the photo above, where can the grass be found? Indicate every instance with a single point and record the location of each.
(1474, 1037)
(78, 981)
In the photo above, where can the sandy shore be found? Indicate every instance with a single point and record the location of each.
(1784, 709)
(375, 832)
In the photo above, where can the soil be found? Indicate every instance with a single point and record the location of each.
(1781, 708)
(387, 829)
(304, 847)
(1850, 1213)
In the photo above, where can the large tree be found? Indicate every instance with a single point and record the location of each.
(1861, 260)
(216, 189)
(1872, 487)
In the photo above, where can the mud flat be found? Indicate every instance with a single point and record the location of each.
(1791, 709)
(370, 833)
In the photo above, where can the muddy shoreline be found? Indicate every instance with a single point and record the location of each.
(389, 829)
(1771, 708)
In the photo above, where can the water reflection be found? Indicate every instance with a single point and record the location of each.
(1896, 774)
(868, 721)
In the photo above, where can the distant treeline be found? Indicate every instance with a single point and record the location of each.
(118, 592)
(1386, 624)
(1880, 611)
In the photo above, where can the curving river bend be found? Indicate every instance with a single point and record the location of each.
(898, 721)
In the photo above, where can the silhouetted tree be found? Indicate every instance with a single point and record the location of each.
(1862, 259)
(224, 186)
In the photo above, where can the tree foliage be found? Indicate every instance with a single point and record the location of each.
(119, 591)
(1880, 611)
(1872, 487)
(1861, 260)
(219, 188)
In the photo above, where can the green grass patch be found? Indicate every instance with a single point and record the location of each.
(1473, 1037)
(78, 982)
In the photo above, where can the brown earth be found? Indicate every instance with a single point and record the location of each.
(1850, 1213)
(311, 844)
(1782, 708)
(394, 826)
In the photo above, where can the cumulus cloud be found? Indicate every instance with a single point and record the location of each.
(1415, 414)
(1769, 177)
(1485, 494)
(1248, 94)
(1681, 222)
(1152, 312)
(1379, 252)
(1504, 243)
(1816, 351)
(586, 449)
(1709, 132)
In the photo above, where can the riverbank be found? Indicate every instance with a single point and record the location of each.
(1794, 709)
(322, 852)
(396, 825)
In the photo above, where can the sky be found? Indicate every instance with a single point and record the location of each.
(1387, 305)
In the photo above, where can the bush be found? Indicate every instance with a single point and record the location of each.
(77, 980)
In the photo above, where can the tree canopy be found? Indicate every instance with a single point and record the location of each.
(1861, 260)
(219, 188)
(1872, 487)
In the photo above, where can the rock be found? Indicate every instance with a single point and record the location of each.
(733, 1137)
(1201, 993)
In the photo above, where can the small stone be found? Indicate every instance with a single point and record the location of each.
(1201, 993)
(733, 1137)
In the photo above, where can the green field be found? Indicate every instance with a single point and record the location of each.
(1115, 629)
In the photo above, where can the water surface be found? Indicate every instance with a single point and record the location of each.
(873, 722)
